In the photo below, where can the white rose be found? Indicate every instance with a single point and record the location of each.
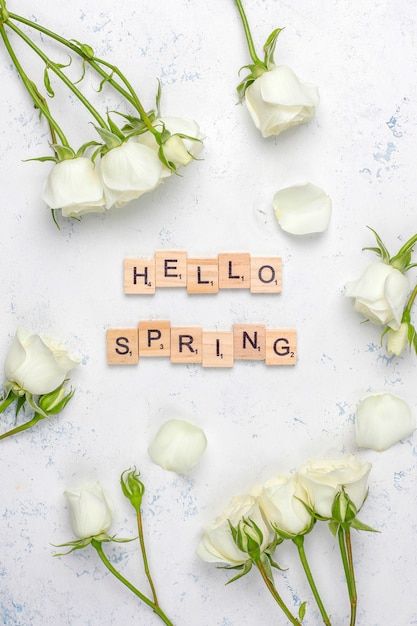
(380, 294)
(217, 544)
(178, 446)
(75, 187)
(382, 420)
(178, 150)
(37, 364)
(279, 501)
(129, 171)
(324, 478)
(302, 209)
(397, 340)
(91, 510)
(278, 100)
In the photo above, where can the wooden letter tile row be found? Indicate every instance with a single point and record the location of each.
(186, 344)
(226, 271)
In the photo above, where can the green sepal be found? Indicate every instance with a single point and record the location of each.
(133, 488)
(47, 83)
(334, 527)
(381, 250)
(269, 47)
(54, 402)
(245, 567)
(82, 149)
(358, 525)
(63, 153)
(34, 405)
(302, 611)
(86, 50)
(158, 99)
(79, 544)
(110, 139)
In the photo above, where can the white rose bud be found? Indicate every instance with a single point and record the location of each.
(380, 294)
(179, 150)
(217, 544)
(37, 364)
(91, 510)
(278, 100)
(397, 340)
(75, 187)
(281, 501)
(302, 209)
(383, 420)
(178, 446)
(323, 479)
(128, 171)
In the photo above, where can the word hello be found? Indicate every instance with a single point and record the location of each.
(198, 275)
(155, 338)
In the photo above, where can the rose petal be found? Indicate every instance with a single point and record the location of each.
(302, 209)
(383, 420)
(178, 446)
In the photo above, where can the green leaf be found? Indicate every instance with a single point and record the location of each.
(269, 47)
(302, 611)
(47, 82)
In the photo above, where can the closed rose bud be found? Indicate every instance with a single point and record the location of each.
(91, 510)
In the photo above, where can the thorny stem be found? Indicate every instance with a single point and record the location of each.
(144, 556)
(248, 34)
(96, 63)
(299, 542)
(32, 90)
(346, 554)
(276, 595)
(56, 69)
(97, 545)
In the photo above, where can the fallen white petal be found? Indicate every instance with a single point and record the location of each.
(383, 420)
(178, 446)
(302, 209)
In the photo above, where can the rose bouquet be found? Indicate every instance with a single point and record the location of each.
(122, 162)
(36, 370)
(382, 295)
(248, 533)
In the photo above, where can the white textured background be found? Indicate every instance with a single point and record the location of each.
(259, 421)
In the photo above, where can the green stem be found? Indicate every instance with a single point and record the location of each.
(144, 556)
(56, 69)
(299, 542)
(31, 88)
(349, 573)
(354, 596)
(18, 429)
(248, 34)
(97, 545)
(276, 595)
(95, 63)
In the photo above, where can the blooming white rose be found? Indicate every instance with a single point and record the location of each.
(278, 100)
(75, 187)
(91, 510)
(129, 171)
(302, 209)
(397, 340)
(380, 294)
(281, 501)
(37, 364)
(323, 479)
(217, 544)
(178, 446)
(382, 420)
(178, 150)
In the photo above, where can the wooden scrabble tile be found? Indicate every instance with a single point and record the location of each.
(154, 338)
(186, 345)
(171, 268)
(139, 276)
(217, 349)
(122, 346)
(266, 274)
(202, 276)
(234, 270)
(249, 341)
(281, 347)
